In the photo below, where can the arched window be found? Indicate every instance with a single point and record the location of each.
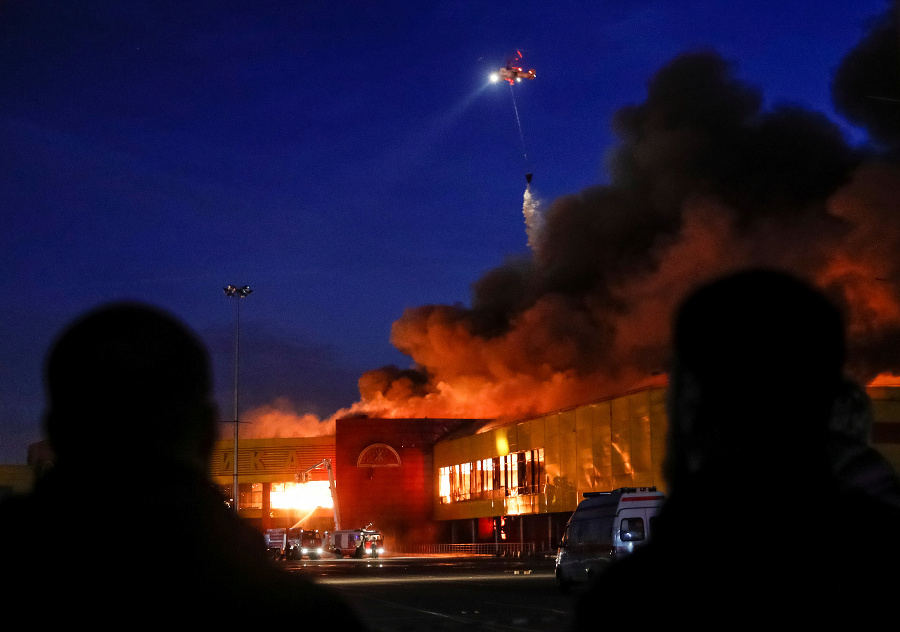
(378, 455)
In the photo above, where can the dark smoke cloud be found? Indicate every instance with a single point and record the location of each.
(866, 87)
(703, 181)
(703, 132)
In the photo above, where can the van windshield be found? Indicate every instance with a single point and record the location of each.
(632, 529)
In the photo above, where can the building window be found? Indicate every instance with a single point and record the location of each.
(515, 474)
(251, 495)
(444, 484)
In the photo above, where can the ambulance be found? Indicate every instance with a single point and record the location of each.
(604, 527)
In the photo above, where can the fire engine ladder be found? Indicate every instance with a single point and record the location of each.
(303, 477)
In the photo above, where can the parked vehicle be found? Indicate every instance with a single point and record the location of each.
(604, 527)
(294, 544)
(357, 543)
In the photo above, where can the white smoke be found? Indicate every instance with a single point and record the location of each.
(532, 217)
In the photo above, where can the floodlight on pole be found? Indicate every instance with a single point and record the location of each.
(238, 293)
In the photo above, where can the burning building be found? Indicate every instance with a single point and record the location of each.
(706, 179)
(513, 483)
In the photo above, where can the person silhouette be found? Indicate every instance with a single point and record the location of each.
(127, 526)
(756, 527)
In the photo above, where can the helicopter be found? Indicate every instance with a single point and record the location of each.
(511, 73)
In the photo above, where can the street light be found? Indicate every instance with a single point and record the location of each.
(238, 293)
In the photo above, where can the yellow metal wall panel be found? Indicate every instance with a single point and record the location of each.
(501, 442)
(468, 509)
(886, 410)
(891, 452)
(620, 439)
(639, 409)
(560, 491)
(471, 447)
(568, 450)
(442, 453)
(512, 438)
(602, 446)
(487, 444)
(18, 478)
(584, 418)
(523, 436)
(551, 425)
(884, 392)
(566, 421)
(537, 433)
(659, 424)
(445, 453)
(552, 464)
(463, 450)
(584, 448)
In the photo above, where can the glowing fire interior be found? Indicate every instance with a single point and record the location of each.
(304, 496)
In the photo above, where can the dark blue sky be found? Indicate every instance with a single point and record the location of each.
(347, 163)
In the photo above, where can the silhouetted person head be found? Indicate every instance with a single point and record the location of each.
(758, 357)
(127, 381)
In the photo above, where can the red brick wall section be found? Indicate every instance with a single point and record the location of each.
(395, 500)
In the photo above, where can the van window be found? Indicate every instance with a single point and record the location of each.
(575, 534)
(599, 532)
(632, 529)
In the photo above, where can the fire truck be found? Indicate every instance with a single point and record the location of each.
(358, 543)
(294, 544)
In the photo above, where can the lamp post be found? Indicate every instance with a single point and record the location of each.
(238, 293)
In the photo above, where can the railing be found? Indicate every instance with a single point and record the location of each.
(498, 549)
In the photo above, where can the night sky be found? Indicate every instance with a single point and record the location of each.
(347, 160)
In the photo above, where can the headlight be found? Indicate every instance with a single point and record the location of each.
(380, 551)
(304, 550)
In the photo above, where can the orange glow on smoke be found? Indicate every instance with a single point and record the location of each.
(873, 301)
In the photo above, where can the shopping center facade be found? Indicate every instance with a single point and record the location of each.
(427, 481)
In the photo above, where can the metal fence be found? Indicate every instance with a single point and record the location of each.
(498, 549)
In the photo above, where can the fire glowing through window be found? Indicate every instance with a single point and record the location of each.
(514, 474)
(306, 496)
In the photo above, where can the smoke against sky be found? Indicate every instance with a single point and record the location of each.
(866, 87)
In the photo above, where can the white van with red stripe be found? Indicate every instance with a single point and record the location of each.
(605, 526)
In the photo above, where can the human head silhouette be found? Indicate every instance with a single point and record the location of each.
(128, 380)
(758, 357)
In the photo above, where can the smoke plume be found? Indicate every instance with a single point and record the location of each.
(703, 181)
(280, 419)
